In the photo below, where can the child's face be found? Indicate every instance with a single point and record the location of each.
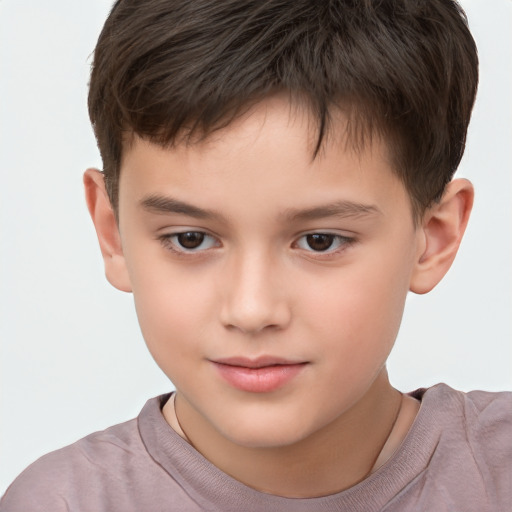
(287, 260)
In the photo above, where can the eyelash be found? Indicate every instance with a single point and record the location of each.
(341, 243)
(170, 242)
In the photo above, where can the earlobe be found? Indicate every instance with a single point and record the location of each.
(107, 230)
(442, 229)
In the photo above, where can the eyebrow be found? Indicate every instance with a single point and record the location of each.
(168, 205)
(341, 209)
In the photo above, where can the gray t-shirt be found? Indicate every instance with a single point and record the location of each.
(456, 457)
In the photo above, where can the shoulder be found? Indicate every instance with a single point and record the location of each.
(484, 417)
(480, 413)
(472, 439)
(70, 475)
(488, 426)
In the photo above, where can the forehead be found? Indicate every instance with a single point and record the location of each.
(267, 153)
(348, 122)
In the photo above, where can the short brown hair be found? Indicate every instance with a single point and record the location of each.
(168, 70)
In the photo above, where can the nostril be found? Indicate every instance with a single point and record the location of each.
(250, 301)
(250, 320)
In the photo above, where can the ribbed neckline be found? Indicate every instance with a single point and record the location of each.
(212, 489)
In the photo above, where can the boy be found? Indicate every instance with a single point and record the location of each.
(276, 179)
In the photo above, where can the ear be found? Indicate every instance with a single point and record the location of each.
(107, 230)
(442, 228)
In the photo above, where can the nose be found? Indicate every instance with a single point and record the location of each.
(253, 294)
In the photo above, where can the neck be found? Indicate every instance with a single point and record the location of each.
(332, 459)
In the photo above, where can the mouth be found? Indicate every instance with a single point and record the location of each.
(261, 375)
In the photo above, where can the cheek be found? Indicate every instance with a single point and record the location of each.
(171, 307)
(358, 314)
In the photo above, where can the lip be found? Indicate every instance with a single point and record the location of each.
(261, 375)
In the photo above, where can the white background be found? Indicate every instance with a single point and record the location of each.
(72, 358)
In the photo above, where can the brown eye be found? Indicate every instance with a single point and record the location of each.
(320, 241)
(190, 239)
(189, 242)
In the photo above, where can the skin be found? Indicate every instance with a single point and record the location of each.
(256, 287)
